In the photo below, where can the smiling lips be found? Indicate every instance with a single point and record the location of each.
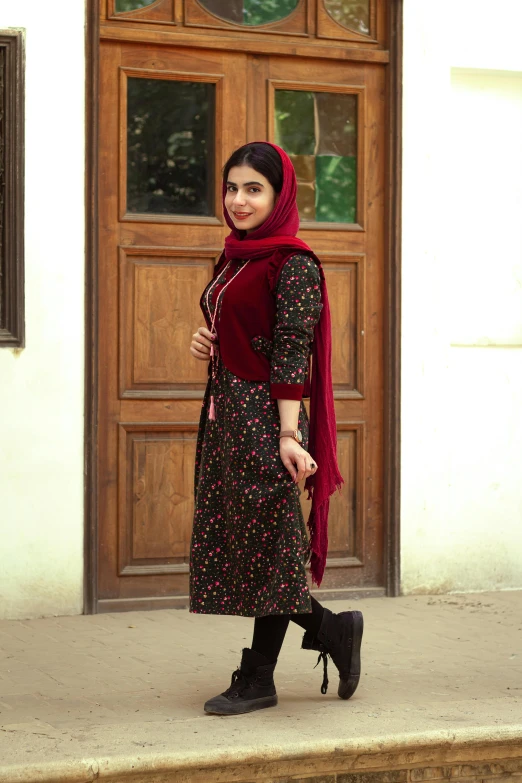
(242, 215)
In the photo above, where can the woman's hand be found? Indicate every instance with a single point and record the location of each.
(296, 460)
(201, 343)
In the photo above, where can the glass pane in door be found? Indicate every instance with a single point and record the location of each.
(353, 14)
(319, 132)
(170, 147)
(121, 6)
(250, 12)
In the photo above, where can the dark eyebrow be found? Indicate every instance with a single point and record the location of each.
(246, 183)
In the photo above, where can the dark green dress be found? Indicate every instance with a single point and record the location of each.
(249, 541)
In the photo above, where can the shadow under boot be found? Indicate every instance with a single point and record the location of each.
(339, 637)
(252, 687)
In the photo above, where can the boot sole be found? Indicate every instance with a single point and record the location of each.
(227, 707)
(348, 687)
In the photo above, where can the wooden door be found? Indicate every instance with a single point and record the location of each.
(175, 100)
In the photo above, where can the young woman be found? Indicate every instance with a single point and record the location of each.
(266, 311)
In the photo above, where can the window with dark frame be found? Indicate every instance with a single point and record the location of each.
(12, 64)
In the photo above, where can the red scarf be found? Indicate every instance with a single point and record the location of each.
(276, 237)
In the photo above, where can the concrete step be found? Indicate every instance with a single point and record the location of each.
(485, 755)
(119, 697)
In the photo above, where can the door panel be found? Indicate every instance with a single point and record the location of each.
(167, 130)
(159, 290)
(170, 118)
(335, 122)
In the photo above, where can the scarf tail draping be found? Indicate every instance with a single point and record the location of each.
(323, 440)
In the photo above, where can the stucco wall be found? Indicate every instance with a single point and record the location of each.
(462, 283)
(41, 389)
(461, 497)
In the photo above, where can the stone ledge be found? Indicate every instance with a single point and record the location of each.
(485, 754)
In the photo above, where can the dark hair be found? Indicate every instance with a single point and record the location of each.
(261, 157)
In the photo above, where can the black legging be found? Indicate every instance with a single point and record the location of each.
(269, 632)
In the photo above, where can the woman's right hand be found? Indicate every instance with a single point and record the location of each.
(201, 343)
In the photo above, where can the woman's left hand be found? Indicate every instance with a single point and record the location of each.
(299, 463)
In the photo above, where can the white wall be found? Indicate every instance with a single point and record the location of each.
(462, 283)
(461, 498)
(41, 387)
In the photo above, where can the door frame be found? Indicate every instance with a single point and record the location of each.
(90, 543)
(392, 315)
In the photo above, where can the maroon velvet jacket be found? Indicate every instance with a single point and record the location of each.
(248, 310)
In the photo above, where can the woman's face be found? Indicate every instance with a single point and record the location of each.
(250, 198)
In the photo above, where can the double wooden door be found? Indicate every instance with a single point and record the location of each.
(169, 118)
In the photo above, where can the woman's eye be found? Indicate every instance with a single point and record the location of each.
(255, 190)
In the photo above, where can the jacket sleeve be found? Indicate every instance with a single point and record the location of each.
(298, 297)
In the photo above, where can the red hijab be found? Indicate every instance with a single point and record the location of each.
(277, 236)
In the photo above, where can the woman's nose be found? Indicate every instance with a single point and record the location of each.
(239, 198)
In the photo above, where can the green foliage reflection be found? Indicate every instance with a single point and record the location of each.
(264, 11)
(319, 132)
(250, 12)
(131, 5)
(354, 14)
(336, 192)
(294, 111)
(170, 153)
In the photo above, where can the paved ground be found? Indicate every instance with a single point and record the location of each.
(134, 684)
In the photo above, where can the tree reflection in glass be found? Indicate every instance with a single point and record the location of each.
(319, 132)
(353, 14)
(250, 12)
(170, 147)
(121, 6)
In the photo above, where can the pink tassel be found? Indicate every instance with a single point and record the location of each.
(212, 409)
(212, 350)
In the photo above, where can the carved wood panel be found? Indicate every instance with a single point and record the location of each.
(346, 285)
(159, 305)
(346, 521)
(156, 492)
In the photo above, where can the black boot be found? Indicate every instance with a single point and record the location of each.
(339, 637)
(252, 687)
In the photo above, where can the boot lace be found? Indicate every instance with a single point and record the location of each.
(323, 655)
(331, 651)
(238, 683)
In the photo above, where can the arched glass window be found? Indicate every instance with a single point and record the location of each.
(353, 14)
(121, 6)
(250, 12)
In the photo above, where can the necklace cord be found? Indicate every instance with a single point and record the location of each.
(213, 348)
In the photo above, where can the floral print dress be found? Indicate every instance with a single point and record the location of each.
(249, 542)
